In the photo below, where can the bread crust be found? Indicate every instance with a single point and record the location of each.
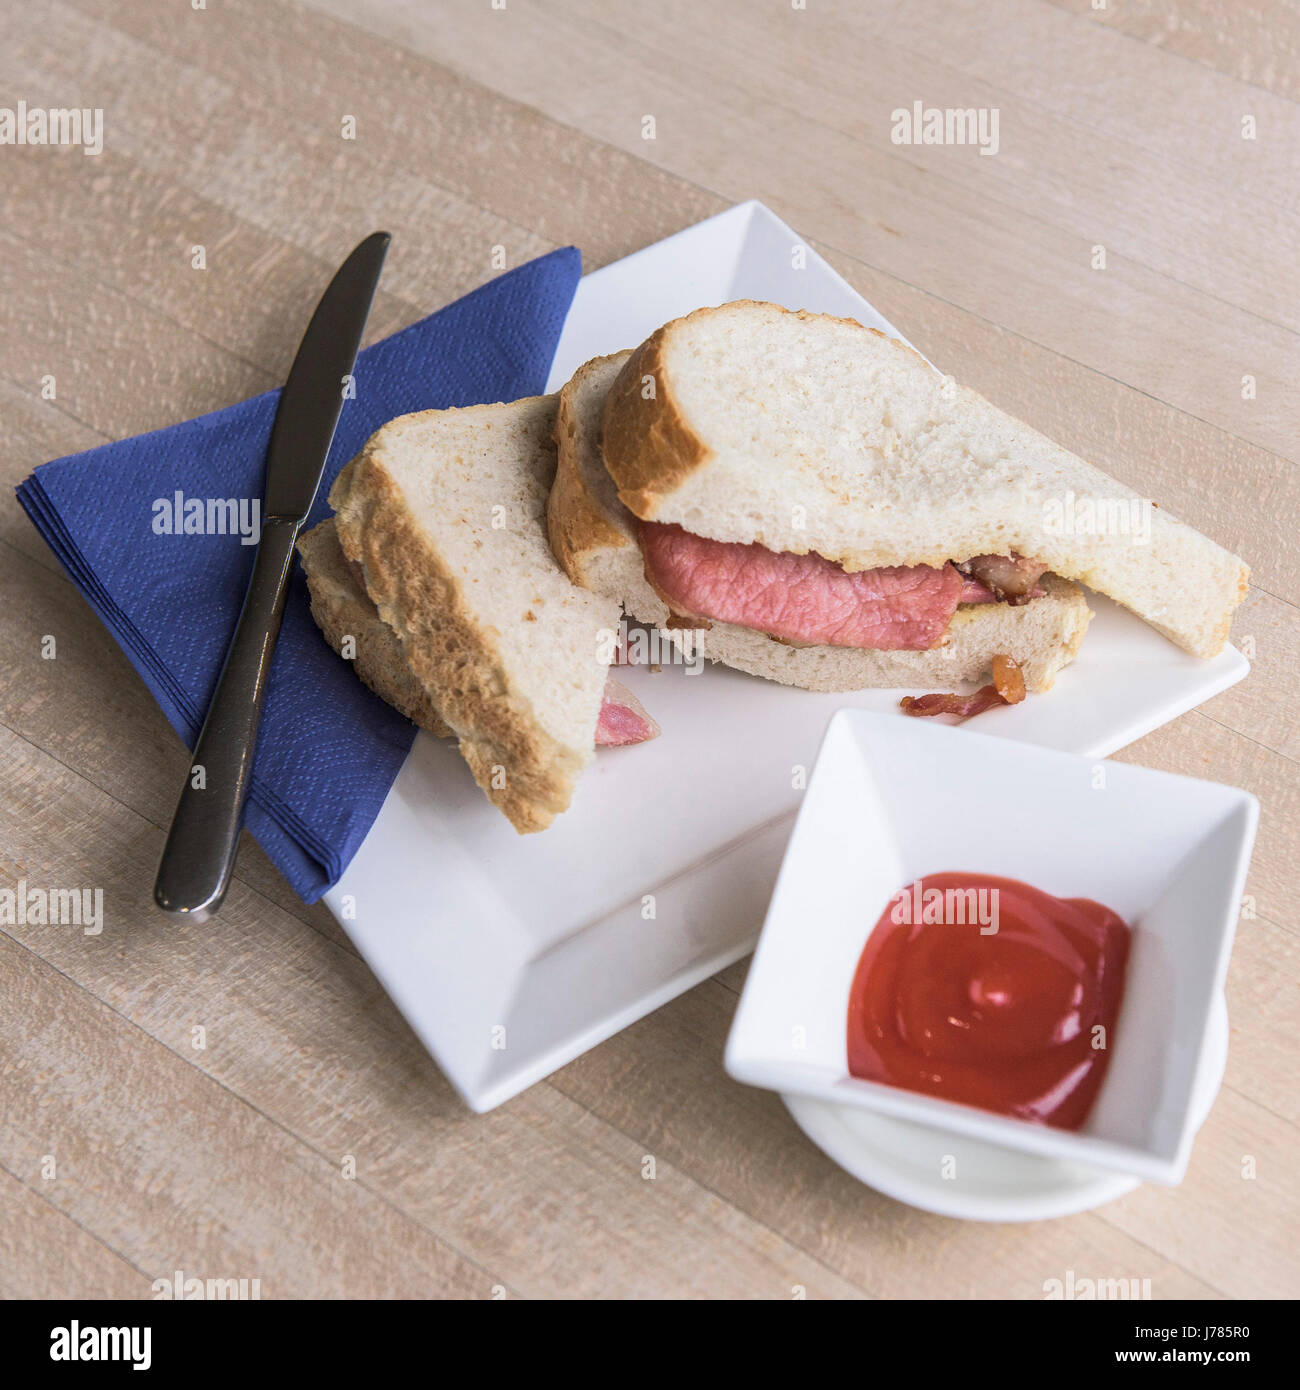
(342, 609)
(650, 450)
(528, 774)
(577, 526)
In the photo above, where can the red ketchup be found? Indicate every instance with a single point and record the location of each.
(1019, 1020)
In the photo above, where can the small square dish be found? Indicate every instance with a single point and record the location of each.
(891, 801)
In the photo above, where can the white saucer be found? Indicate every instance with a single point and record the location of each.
(906, 1161)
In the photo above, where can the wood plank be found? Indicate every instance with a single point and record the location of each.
(1255, 41)
(134, 231)
(1009, 263)
(280, 78)
(199, 1181)
(301, 1042)
(36, 431)
(1122, 91)
(1235, 1231)
(94, 338)
(661, 1080)
(1198, 746)
(223, 128)
(45, 1254)
(1261, 1011)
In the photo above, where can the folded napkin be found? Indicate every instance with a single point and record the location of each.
(328, 749)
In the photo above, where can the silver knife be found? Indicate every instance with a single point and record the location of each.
(200, 852)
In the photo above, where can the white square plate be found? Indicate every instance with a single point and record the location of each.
(1169, 854)
(510, 955)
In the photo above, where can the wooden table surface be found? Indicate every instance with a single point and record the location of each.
(241, 1100)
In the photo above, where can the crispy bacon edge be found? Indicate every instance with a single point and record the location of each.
(1007, 688)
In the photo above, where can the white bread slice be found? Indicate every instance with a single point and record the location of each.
(343, 609)
(593, 537)
(444, 514)
(803, 432)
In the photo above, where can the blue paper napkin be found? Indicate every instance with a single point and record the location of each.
(328, 750)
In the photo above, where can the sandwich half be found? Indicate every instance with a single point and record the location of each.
(437, 564)
(791, 480)
(956, 625)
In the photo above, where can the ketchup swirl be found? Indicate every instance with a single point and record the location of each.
(1019, 1019)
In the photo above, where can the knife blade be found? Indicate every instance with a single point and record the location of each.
(199, 855)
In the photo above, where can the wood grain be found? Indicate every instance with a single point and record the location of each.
(521, 129)
(1023, 264)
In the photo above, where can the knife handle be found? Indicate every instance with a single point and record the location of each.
(200, 852)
